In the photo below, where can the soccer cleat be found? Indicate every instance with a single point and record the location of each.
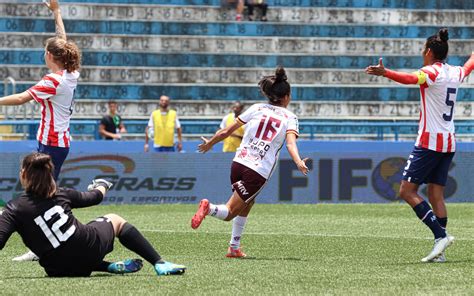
(168, 268)
(126, 266)
(440, 259)
(28, 256)
(201, 213)
(439, 246)
(235, 253)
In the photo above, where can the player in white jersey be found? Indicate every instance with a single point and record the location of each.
(267, 127)
(435, 145)
(55, 94)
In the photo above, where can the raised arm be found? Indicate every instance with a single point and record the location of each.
(53, 5)
(469, 65)
(295, 155)
(219, 136)
(94, 195)
(400, 77)
(16, 99)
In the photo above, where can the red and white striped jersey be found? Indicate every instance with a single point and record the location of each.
(265, 132)
(55, 94)
(439, 85)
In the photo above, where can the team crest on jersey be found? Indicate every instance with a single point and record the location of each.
(243, 153)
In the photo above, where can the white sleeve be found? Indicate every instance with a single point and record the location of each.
(177, 123)
(224, 121)
(248, 114)
(150, 121)
(293, 126)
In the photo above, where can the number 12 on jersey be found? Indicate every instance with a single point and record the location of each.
(54, 234)
(269, 126)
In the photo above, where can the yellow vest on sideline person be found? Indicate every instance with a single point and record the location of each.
(233, 142)
(164, 128)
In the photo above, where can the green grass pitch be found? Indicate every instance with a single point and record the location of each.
(294, 249)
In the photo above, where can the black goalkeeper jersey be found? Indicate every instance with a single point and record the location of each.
(47, 226)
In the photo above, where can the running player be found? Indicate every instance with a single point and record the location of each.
(435, 146)
(55, 95)
(267, 127)
(42, 216)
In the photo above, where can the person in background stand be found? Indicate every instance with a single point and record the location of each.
(111, 126)
(251, 4)
(233, 141)
(161, 127)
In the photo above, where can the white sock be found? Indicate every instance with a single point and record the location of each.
(238, 225)
(218, 211)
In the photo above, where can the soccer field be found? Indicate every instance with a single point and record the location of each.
(293, 249)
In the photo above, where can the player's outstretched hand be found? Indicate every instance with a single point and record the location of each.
(377, 70)
(302, 166)
(52, 5)
(100, 182)
(205, 146)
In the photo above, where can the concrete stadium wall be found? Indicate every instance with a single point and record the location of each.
(194, 51)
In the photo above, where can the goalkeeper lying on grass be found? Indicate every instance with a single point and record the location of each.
(42, 216)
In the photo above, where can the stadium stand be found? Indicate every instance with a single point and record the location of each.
(194, 51)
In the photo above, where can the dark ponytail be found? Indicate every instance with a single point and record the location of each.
(438, 44)
(275, 87)
(37, 175)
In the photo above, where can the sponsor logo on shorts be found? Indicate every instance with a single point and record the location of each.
(242, 188)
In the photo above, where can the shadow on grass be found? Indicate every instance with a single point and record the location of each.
(449, 262)
(273, 259)
(94, 275)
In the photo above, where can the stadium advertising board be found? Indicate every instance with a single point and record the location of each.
(186, 178)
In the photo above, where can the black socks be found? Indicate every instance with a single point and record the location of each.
(133, 240)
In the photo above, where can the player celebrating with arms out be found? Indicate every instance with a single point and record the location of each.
(267, 128)
(435, 145)
(55, 95)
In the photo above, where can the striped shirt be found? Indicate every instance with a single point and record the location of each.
(439, 85)
(55, 94)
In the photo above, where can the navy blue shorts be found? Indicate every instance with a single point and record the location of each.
(427, 166)
(58, 156)
(164, 149)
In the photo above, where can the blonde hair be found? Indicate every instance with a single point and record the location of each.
(65, 53)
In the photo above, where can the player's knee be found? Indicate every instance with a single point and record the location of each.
(405, 193)
(117, 221)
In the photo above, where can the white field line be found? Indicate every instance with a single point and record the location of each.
(300, 234)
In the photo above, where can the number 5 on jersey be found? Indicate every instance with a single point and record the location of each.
(54, 235)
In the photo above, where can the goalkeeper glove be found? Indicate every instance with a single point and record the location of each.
(100, 182)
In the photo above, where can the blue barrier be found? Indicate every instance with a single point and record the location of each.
(420, 4)
(230, 29)
(304, 146)
(246, 93)
(143, 59)
(335, 176)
